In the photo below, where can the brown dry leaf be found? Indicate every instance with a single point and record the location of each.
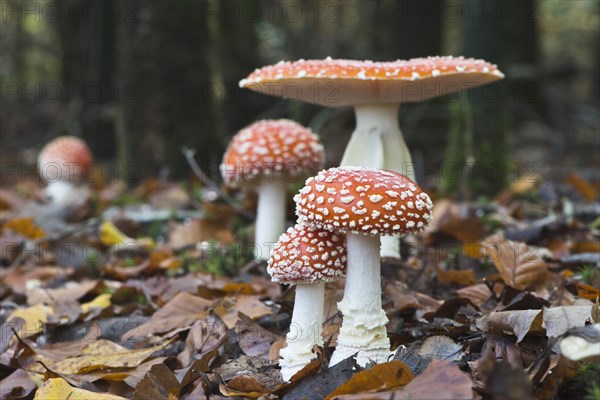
(442, 380)
(520, 322)
(564, 369)
(472, 249)
(453, 219)
(199, 230)
(72, 291)
(586, 247)
(587, 291)
(583, 187)
(95, 356)
(18, 385)
(178, 314)
(460, 277)
(559, 320)
(380, 377)
(228, 308)
(244, 385)
(35, 317)
(521, 185)
(518, 264)
(441, 348)
(478, 294)
(204, 336)
(57, 388)
(253, 339)
(25, 227)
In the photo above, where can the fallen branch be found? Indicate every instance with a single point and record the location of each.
(189, 154)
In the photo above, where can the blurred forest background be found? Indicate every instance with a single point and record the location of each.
(139, 79)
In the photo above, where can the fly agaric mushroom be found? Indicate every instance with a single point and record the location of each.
(307, 257)
(63, 164)
(363, 203)
(375, 90)
(268, 155)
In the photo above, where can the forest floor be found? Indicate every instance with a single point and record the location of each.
(151, 293)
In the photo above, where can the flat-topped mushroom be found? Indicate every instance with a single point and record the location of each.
(269, 155)
(307, 257)
(375, 90)
(63, 164)
(363, 203)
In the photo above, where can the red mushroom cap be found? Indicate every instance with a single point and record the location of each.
(337, 83)
(363, 200)
(306, 254)
(65, 158)
(272, 146)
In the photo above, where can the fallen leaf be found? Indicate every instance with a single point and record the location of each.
(196, 231)
(17, 385)
(442, 380)
(228, 308)
(204, 336)
(415, 362)
(456, 220)
(380, 377)
(97, 355)
(72, 291)
(253, 339)
(478, 294)
(320, 385)
(34, 316)
(25, 227)
(101, 301)
(459, 277)
(518, 264)
(587, 291)
(559, 320)
(441, 348)
(520, 322)
(179, 313)
(110, 235)
(244, 385)
(583, 187)
(472, 249)
(58, 388)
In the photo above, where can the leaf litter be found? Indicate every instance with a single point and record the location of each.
(161, 300)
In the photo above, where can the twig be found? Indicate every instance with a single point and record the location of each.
(189, 156)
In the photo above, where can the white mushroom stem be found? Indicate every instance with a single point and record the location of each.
(67, 194)
(305, 329)
(363, 328)
(270, 215)
(377, 142)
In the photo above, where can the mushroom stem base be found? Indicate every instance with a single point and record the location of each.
(305, 329)
(270, 216)
(363, 328)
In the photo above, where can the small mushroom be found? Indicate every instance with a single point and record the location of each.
(307, 257)
(63, 163)
(268, 155)
(375, 90)
(363, 203)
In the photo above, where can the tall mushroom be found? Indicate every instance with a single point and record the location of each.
(307, 257)
(364, 203)
(268, 155)
(375, 90)
(63, 163)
